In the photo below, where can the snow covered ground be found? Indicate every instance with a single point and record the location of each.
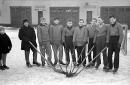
(19, 74)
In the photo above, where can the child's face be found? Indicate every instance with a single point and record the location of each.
(26, 24)
(112, 20)
(81, 23)
(93, 22)
(56, 21)
(69, 24)
(100, 21)
(2, 31)
(43, 21)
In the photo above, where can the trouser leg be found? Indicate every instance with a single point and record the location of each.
(105, 59)
(67, 54)
(89, 48)
(98, 49)
(60, 52)
(116, 58)
(4, 58)
(55, 49)
(42, 49)
(73, 53)
(110, 53)
(94, 54)
(48, 52)
(0, 59)
(83, 56)
(79, 49)
(34, 55)
(27, 56)
(117, 51)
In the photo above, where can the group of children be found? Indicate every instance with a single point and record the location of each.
(97, 35)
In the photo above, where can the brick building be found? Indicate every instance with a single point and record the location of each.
(13, 11)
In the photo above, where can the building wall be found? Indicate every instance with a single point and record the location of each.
(91, 5)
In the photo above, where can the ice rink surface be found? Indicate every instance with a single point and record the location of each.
(19, 74)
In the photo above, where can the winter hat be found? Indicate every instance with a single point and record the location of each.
(25, 20)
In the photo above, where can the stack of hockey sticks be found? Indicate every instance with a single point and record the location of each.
(71, 73)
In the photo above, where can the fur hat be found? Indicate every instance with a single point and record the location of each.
(25, 20)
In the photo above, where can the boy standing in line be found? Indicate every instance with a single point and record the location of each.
(91, 29)
(115, 41)
(68, 40)
(44, 40)
(101, 40)
(80, 41)
(56, 31)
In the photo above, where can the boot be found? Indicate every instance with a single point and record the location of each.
(5, 67)
(36, 63)
(28, 65)
(97, 66)
(75, 64)
(115, 70)
(105, 68)
(61, 62)
(43, 64)
(108, 70)
(2, 68)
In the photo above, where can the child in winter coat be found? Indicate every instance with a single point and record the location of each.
(27, 35)
(80, 40)
(43, 35)
(5, 47)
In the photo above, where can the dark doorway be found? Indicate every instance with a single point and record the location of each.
(18, 13)
(64, 14)
(40, 14)
(89, 17)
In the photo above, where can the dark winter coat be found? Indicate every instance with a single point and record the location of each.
(5, 43)
(27, 34)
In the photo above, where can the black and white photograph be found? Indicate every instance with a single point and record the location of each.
(64, 42)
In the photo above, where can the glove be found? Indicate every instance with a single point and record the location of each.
(119, 45)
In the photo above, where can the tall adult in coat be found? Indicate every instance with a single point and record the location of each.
(26, 35)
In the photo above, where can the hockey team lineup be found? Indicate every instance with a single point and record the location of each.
(70, 42)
